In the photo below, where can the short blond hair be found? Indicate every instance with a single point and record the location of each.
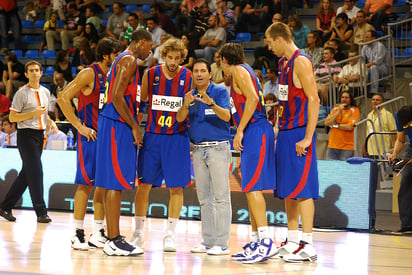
(173, 44)
(279, 29)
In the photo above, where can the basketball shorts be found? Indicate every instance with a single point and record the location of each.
(86, 161)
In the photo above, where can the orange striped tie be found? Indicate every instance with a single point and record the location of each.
(8, 140)
(39, 103)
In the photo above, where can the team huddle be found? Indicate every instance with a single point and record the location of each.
(111, 148)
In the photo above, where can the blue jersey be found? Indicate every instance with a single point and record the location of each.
(130, 94)
(165, 99)
(239, 100)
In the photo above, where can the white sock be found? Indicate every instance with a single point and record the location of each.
(139, 222)
(254, 238)
(171, 225)
(293, 236)
(263, 232)
(307, 237)
(98, 225)
(78, 224)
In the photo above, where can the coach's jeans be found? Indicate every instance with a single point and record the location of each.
(211, 167)
(337, 154)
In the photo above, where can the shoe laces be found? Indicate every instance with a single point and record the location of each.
(80, 235)
(103, 235)
(125, 244)
(301, 246)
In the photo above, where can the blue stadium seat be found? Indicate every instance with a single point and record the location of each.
(18, 53)
(49, 71)
(407, 53)
(145, 8)
(380, 33)
(51, 54)
(243, 37)
(361, 3)
(33, 54)
(39, 24)
(26, 24)
(130, 8)
(105, 21)
(397, 53)
(74, 70)
(60, 24)
(31, 39)
(399, 3)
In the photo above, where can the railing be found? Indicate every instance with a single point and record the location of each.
(360, 134)
(402, 41)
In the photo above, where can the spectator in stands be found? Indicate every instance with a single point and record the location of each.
(91, 16)
(287, 6)
(200, 16)
(226, 18)
(62, 65)
(13, 75)
(378, 12)
(387, 121)
(255, 13)
(184, 20)
(9, 17)
(299, 30)
(212, 40)
(4, 101)
(375, 58)
(51, 32)
(235, 5)
(155, 30)
(30, 12)
(157, 57)
(9, 128)
(82, 5)
(190, 57)
(216, 69)
(314, 48)
(117, 22)
(335, 44)
(165, 21)
(349, 77)
(55, 89)
(50, 138)
(260, 76)
(322, 71)
(350, 10)
(58, 6)
(342, 31)
(91, 34)
(325, 19)
(133, 23)
(342, 120)
(271, 111)
(83, 55)
(44, 8)
(271, 86)
(73, 27)
(404, 133)
(362, 27)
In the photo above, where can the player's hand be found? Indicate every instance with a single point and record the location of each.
(301, 147)
(138, 137)
(237, 141)
(391, 157)
(87, 132)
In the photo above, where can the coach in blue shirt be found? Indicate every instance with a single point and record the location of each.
(208, 109)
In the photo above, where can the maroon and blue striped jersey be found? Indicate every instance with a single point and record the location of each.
(89, 105)
(165, 99)
(292, 100)
(130, 95)
(240, 100)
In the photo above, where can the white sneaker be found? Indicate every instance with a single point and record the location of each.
(98, 239)
(137, 239)
(262, 252)
(305, 253)
(119, 247)
(248, 250)
(218, 250)
(169, 243)
(286, 248)
(78, 241)
(200, 249)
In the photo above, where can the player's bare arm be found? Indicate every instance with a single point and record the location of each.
(144, 91)
(81, 84)
(302, 78)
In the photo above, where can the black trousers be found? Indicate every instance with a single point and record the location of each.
(30, 145)
(405, 197)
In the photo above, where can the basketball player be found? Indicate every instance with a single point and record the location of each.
(296, 164)
(119, 134)
(89, 87)
(165, 154)
(256, 141)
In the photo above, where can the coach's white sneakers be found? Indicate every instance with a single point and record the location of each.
(119, 247)
(200, 248)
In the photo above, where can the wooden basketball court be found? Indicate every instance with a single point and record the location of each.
(27, 247)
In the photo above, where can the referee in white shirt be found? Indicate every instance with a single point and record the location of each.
(29, 110)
